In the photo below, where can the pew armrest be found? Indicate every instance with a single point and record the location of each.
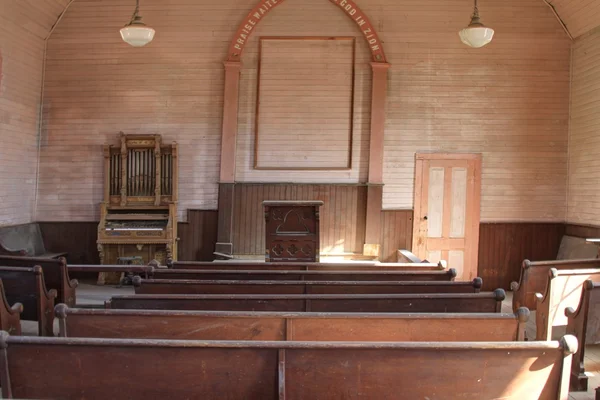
(16, 308)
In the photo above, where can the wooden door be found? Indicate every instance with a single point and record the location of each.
(447, 208)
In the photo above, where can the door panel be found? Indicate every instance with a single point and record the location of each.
(447, 208)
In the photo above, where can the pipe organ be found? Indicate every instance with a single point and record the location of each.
(138, 217)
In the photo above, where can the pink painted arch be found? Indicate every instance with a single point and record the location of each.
(264, 7)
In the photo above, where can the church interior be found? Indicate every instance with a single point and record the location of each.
(300, 199)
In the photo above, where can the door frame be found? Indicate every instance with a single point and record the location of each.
(472, 216)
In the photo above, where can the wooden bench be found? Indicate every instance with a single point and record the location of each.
(225, 325)
(584, 323)
(179, 286)
(292, 266)
(145, 271)
(56, 275)
(489, 302)
(287, 275)
(136, 369)
(534, 276)
(27, 286)
(10, 316)
(563, 289)
(24, 240)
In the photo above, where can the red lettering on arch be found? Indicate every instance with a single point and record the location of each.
(264, 7)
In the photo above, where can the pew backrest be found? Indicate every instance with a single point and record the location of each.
(584, 324)
(27, 286)
(488, 302)
(56, 275)
(180, 286)
(225, 325)
(143, 270)
(70, 368)
(534, 277)
(563, 290)
(293, 266)
(291, 275)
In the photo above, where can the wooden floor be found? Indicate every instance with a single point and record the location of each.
(96, 295)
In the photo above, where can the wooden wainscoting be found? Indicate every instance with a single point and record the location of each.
(342, 217)
(197, 236)
(503, 247)
(76, 238)
(582, 231)
(396, 233)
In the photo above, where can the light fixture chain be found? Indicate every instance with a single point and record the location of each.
(476, 11)
(137, 10)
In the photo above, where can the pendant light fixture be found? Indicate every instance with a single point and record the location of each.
(136, 33)
(476, 34)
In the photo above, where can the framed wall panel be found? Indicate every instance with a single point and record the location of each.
(305, 103)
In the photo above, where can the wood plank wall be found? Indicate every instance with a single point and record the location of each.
(582, 231)
(580, 16)
(23, 27)
(197, 238)
(508, 100)
(313, 103)
(342, 217)
(396, 233)
(584, 142)
(503, 247)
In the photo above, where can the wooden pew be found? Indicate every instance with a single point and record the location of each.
(534, 276)
(584, 323)
(179, 286)
(136, 369)
(291, 275)
(225, 325)
(27, 286)
(489, 302)
(563, 290)
(10, 316)
(292, 266)
(56, 275)
(145, 271)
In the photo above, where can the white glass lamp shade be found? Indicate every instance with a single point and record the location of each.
(476, 35)
(137, 35)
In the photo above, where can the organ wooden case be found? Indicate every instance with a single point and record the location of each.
(292, 231)
(139, 213)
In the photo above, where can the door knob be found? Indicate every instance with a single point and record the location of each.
(425, 218)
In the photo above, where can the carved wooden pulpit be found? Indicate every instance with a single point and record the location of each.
(292, 231)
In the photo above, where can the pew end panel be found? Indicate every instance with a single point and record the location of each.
(563, 289)
(583, 323)
(274, 370)
(27, 286)
(56, 274)
(10, 316)
(46, 305)
(533, 278)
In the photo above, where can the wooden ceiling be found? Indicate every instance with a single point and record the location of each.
(36, 16)
(580, 16)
